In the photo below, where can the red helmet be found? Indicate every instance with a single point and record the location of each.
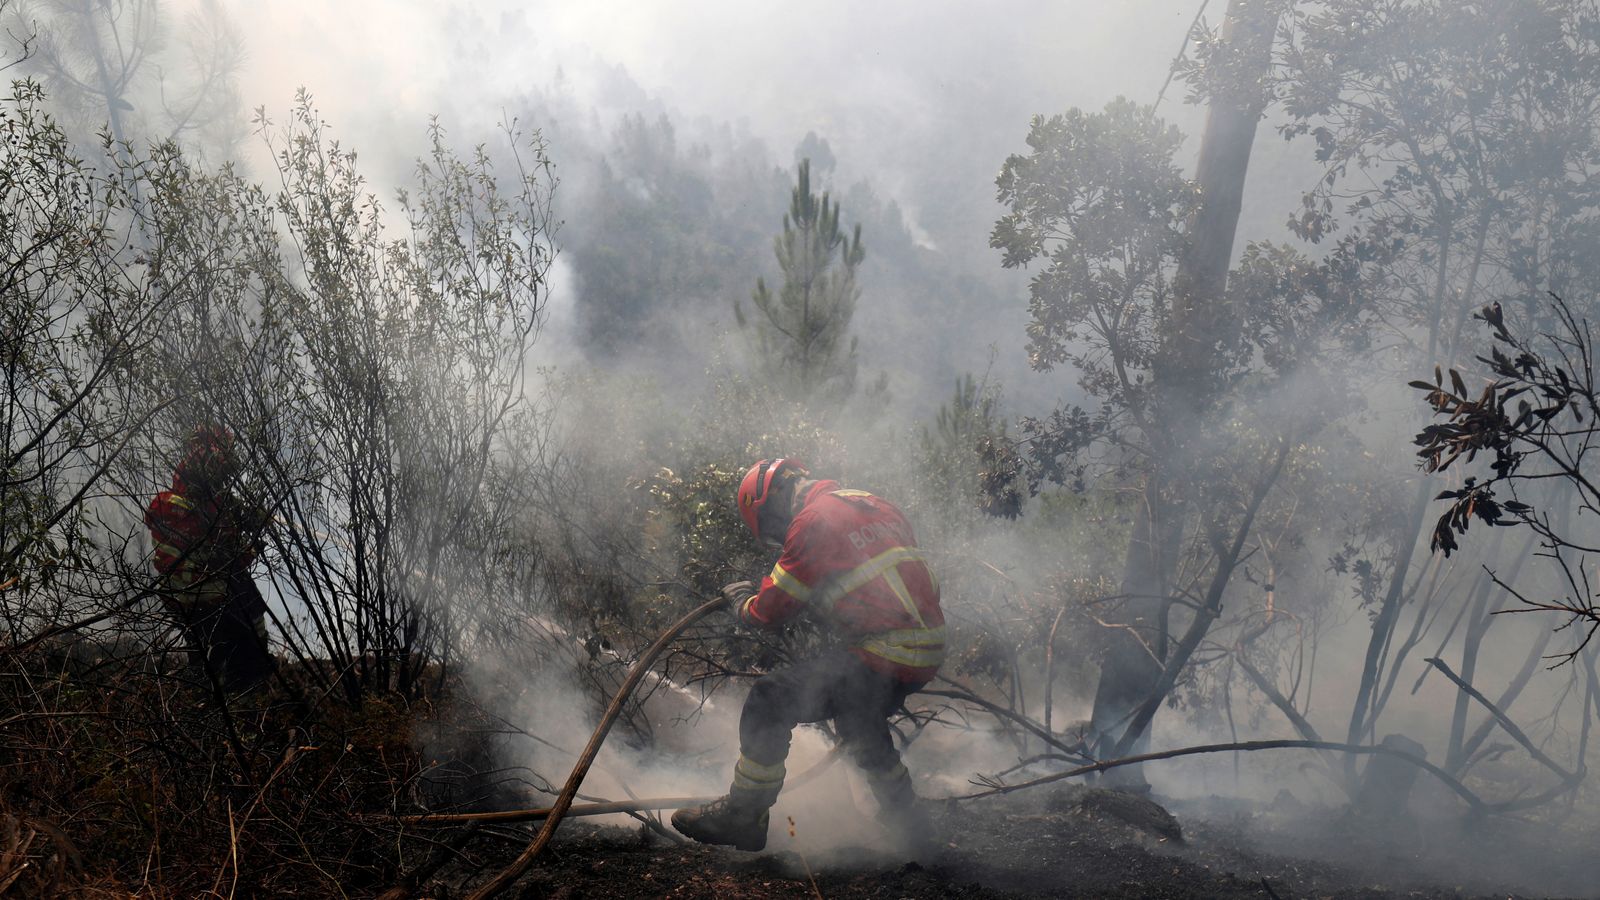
(757, 486)
(208, 456)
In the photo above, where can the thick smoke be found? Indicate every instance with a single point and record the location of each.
(675, 133)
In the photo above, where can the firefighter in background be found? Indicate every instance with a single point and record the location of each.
(206, 539)
(850, 558)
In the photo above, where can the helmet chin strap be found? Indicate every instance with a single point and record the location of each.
(775, 526)
(774, 537)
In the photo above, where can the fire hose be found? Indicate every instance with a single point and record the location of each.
(600, 808)
(569, 791)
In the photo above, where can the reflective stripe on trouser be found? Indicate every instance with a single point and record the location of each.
(756, 784)
(836, 686)
(892, 786)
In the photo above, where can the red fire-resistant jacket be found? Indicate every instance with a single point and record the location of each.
(853, 557)
(198, 542)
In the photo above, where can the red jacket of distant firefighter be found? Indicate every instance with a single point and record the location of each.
(198, 538)
(853, 556)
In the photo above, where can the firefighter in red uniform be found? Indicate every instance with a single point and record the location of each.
(850, 558)
(205, 542)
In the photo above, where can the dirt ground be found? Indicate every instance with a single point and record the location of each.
(1068, 842)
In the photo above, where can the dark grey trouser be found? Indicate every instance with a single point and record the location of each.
(836, 686)
(230, 640)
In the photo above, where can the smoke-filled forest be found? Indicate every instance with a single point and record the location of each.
(841, 450)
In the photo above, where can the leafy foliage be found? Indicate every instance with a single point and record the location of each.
(1536, 420)
(78, 322)
(1477, 119)
(1100, 201)
(374, 379)
(1556, 407)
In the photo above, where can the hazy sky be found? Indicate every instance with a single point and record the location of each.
(924, 100)
(879, 80)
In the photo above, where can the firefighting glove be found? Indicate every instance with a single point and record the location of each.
(737, 593)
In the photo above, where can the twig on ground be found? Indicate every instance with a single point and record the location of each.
(967, 696)
(815, 891)
(1473, 800)
(602, 807)
(441, 854)
(651, 822)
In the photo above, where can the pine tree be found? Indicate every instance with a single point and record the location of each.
(800, 332)
(968, 454)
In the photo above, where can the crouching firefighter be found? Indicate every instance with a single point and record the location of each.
(850, 558)
(205, 542)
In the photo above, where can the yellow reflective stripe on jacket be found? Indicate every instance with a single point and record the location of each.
(189, 575)
(196, 560)
(790, 584)
(168, 549)
(837, 588)
(898, 585)
(915, 647)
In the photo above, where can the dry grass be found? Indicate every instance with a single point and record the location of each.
(121, 779)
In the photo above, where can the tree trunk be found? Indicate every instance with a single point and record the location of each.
(1185, 378)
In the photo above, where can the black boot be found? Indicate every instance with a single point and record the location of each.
(910, 828)
(911, 831)
(724, 821)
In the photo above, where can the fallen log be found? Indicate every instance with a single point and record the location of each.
(1132, 809)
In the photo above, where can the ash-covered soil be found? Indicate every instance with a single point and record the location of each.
(1074, 842)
